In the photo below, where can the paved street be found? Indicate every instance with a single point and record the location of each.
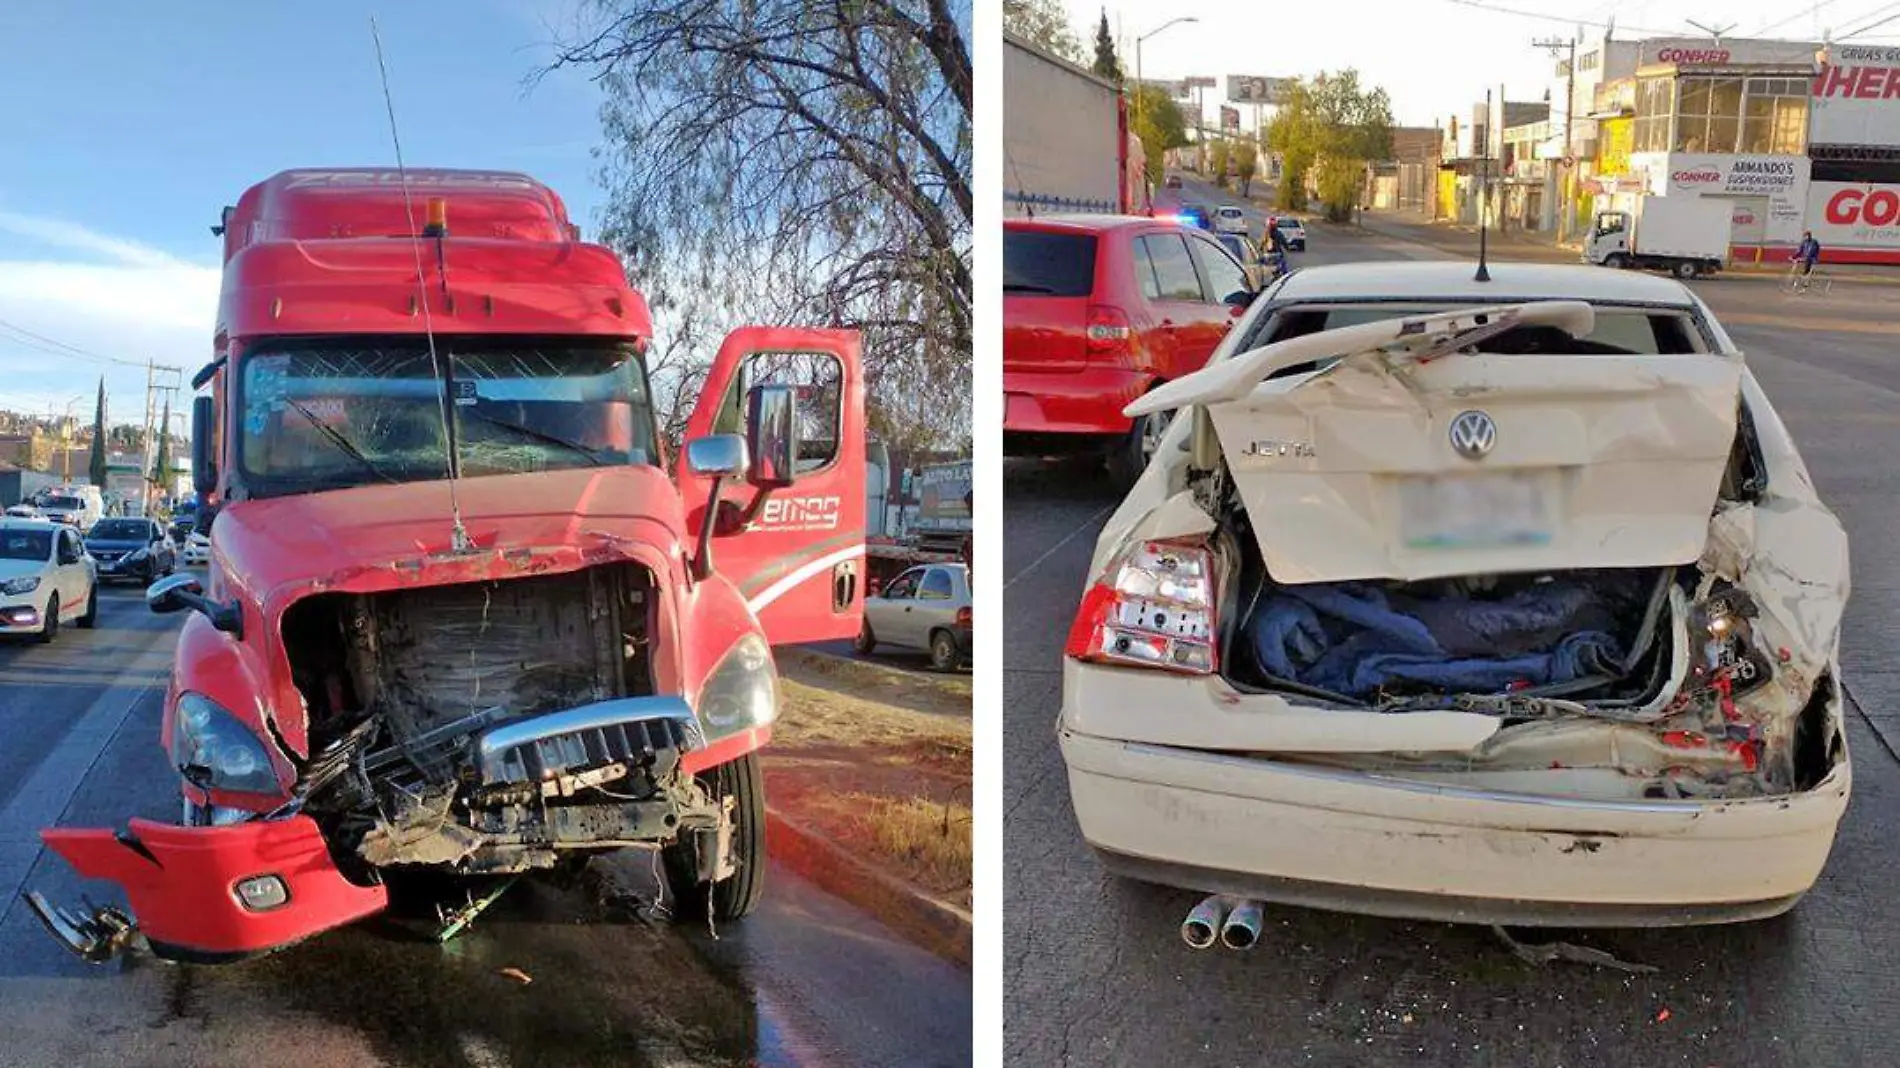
(806, 981)
(1095, 972)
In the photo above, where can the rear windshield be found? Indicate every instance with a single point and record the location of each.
(64, 502)
(120, 530)
(1043, 264)
(1618, 331)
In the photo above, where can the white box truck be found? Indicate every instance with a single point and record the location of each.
(1684, 235)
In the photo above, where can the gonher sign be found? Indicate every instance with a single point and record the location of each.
(1857, 97)
(1704, 52)
(1856, 217)
(1756, 175)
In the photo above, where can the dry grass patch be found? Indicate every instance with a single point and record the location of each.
(928, 841)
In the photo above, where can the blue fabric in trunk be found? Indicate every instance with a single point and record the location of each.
(1359, 639)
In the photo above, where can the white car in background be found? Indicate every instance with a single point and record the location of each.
(1292, 231)
(1228, 219)
(1490, 602)
(197, 548)
(24, 511)
(46, 579)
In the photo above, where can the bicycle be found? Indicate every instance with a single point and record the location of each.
(1800, 284)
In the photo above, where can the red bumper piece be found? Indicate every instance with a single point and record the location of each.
(183, 882)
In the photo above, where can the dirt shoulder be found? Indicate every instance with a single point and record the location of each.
(881, 791)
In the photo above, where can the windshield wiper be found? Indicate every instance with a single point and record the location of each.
(539, 435)
(343, 444)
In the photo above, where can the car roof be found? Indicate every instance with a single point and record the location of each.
(1452, 279)
(1085, 223)
(14, 522)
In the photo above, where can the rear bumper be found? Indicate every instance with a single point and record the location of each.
(1084, 402)
(1307, 836)
(182, 883)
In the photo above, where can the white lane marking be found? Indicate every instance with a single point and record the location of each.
(45, 795)
(1051, 551)
(784, 585)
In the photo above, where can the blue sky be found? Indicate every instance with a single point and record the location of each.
(128, 125)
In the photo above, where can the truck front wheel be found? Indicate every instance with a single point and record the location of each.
(732, 897)
(1616, 260)
(1687, 269)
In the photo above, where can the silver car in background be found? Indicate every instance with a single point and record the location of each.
(926, 607)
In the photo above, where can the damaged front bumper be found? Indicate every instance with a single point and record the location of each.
(206, 894)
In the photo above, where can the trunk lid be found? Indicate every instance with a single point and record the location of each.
(1405, 461)
(1048, 282)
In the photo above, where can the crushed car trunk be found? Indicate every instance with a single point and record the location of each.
(1581, 559)
(492, 726)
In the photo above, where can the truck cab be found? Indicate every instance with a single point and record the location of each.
(465, 608)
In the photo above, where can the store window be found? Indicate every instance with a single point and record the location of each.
(1708, 114)
(1655, 106)
(1775, 116)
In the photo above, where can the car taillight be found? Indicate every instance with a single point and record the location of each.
(963, 617)
(1108, 329)
(1152, 607)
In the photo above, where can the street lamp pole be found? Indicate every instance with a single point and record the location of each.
(1139, 84)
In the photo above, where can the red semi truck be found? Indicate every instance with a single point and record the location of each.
(462, 611)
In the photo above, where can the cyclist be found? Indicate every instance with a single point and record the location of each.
(1806, 255)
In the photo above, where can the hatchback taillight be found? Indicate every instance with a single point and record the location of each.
(1153, 607)
(963, 617)
(1108, 331)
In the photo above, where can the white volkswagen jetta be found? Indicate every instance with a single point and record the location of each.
(46, 578)
(1504, 601)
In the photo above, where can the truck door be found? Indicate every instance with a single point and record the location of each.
(798, 559)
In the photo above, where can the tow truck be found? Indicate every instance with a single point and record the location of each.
(463, 612)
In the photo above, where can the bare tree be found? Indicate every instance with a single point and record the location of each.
(796, 162)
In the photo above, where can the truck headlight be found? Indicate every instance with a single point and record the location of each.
(23, 584)
(210, 748)
(742, 692)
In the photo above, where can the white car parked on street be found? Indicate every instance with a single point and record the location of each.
(1496, 602)
(46, 579)
(197, 548)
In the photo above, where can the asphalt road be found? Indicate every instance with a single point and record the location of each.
(1095, 972)
(806, 981)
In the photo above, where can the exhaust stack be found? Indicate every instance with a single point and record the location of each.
(1242, 929)
(1203, 923)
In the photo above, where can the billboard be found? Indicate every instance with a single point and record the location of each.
(1781, 183)
(945, 498)
(1856, 97)
(1859, 221)
(1691, 52)
(1229, 118)
(1254, 89)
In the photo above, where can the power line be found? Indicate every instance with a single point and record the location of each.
(1865, 26)
(1869, 26)
(60, 348)
(1795, 18)
(1565, 19)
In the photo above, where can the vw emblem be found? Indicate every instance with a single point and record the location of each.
(1472, 434)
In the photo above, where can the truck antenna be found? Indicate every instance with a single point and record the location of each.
(459, 541)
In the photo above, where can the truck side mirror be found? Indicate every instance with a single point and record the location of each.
(204, 465)
(718, 457)
(771, 428)
(174, 593)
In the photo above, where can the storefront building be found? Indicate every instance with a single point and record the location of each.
(1853, 197)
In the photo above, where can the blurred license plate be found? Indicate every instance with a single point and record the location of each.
(1477, 511)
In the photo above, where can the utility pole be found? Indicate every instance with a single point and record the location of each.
(1568, 172)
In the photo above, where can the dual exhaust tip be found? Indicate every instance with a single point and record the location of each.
(1233, 922)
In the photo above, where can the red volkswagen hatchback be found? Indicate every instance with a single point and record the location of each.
(1098, 310)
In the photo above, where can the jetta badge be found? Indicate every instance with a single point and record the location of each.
(1472, 434)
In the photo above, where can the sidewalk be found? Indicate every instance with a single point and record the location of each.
(1412, 225)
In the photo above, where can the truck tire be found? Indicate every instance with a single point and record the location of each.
(733, 897)
(1616, 261)
(1686, 269)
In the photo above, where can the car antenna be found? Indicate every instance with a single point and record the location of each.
(1484, 189)
(459, 541)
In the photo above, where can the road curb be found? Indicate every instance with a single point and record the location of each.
(870, 674)
(939, 927)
